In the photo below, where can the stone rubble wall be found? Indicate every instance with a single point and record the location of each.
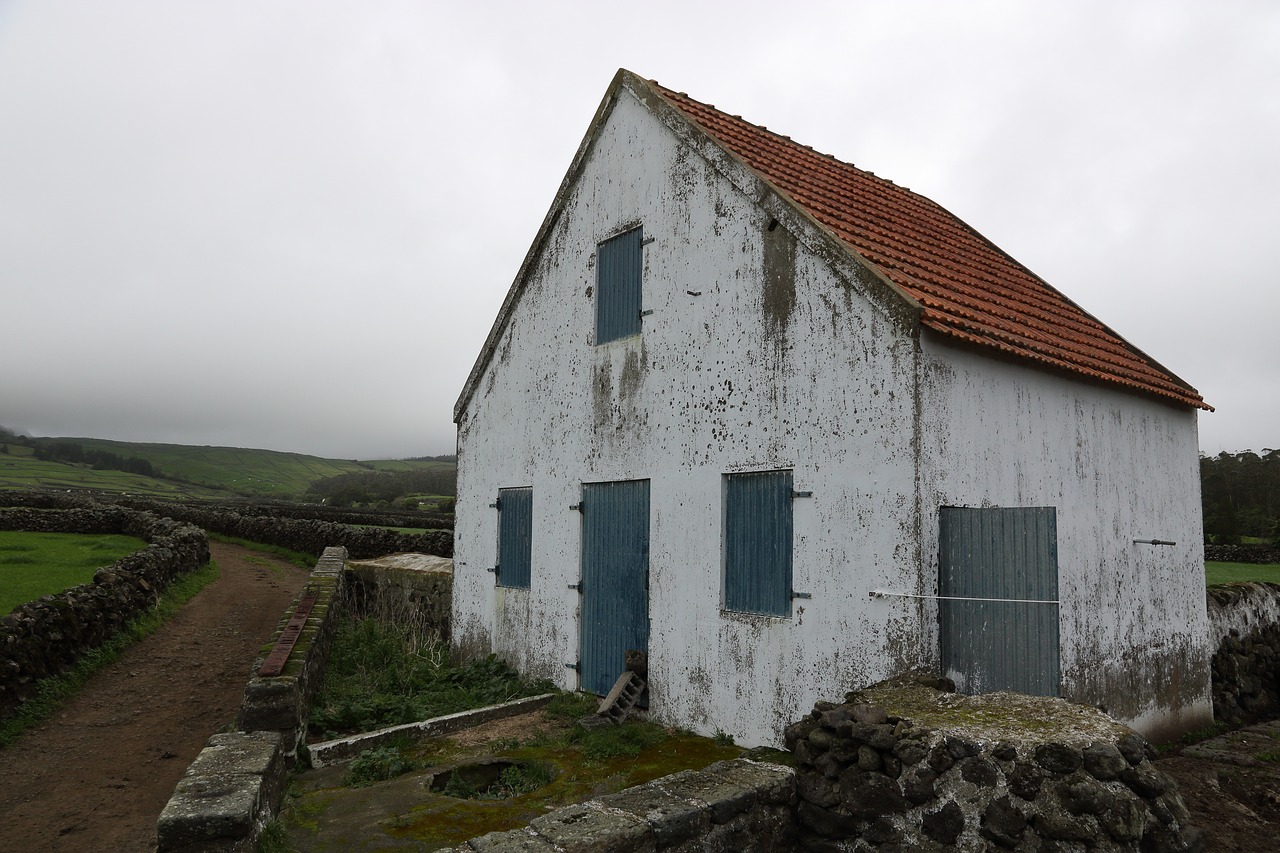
(308, 536)
(1242, 553)
(46, 637)
(1244, 619)
(736, 806)
(867, 781)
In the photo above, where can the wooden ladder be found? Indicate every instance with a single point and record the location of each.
(622, 698)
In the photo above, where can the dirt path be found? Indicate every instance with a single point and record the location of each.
(96, 776)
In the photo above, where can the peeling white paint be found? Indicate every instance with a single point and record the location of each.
(826, 378)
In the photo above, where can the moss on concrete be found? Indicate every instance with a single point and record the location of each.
(993, 716)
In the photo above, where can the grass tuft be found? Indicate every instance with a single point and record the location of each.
(382, 674)
(52, 692)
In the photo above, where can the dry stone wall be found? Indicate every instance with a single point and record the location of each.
(978, 773)
(1244, 619)
(306, 535)
(1242, 553)
(46, 637)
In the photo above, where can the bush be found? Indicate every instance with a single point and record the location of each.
(377, 765)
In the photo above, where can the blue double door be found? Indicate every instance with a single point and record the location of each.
(615, 579)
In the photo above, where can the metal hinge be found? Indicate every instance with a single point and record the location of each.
(577, 506)
(574, 666)
(577, 586)
(796, 494)
(795, 595)
(647, 240)
(1153, 542)
(494, 570)
(496, 504)
(646, 312)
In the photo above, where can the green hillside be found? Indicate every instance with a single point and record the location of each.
(188, 471)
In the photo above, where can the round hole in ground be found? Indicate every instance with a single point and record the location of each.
(492, 779)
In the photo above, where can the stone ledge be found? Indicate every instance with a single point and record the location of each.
(344, 749)
(227, 794)
(741, 806)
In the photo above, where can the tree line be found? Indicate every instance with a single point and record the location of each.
(1241, 495)
(371, 487)
(100, 460)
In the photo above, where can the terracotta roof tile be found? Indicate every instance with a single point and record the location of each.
(968, 288)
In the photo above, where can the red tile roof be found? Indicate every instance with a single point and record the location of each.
(968, 288)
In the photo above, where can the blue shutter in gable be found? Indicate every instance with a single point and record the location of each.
(515, 536)
(619, 262)
(758, 538)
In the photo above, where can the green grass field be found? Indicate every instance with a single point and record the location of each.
(196, 472)
(36, 564)
(1216, 573)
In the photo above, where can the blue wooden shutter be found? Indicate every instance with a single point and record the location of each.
(515, 536)
(619, 261)
(758, 532)
(999, 553)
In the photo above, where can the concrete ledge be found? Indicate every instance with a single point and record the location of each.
(282, 702)
(228, 793)
(739, 806)
(344, 749)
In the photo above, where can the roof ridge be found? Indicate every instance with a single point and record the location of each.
(969, 286)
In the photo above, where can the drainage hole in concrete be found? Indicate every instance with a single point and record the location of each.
(493, 779)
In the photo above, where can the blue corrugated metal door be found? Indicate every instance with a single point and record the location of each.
(515, 536)
(1008, 553)
(758, 538)
(615, 578)
(620, 262)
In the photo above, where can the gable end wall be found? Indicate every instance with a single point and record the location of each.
(761, 353)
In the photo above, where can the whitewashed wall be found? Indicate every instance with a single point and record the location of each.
(833, 380)
(818, 380)
(1118, 467)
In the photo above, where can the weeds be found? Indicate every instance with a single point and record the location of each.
(613, 741)
(377, 765)
(722, 738)
(53, 692)
(383, 674)
(571, 706)
(274, 839)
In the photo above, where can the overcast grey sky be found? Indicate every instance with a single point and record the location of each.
(290, 225)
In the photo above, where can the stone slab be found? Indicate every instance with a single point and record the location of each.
(672, 820)
(773, 783)
(724, 799)
(588, 828)
(238, 753)
(407, 562)
(209, 809)
(513, 841)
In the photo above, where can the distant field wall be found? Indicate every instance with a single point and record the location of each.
(47, 636)
(309, 536)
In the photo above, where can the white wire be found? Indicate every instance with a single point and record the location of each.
(881, 592)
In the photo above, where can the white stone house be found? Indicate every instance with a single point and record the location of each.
(792, 429)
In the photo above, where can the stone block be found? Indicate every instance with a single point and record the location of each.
(588, 828)
(672, 819)
(722, 798)
(209, 810)
(514, 841)
(773, 783)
